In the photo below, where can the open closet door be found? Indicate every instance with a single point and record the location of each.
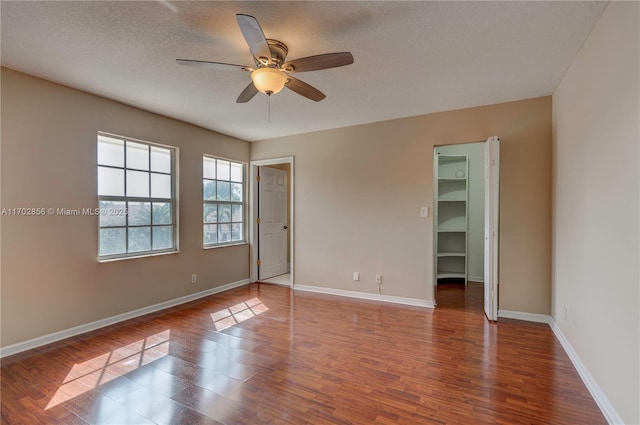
(491, 217)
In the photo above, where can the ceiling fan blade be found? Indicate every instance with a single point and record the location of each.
(314, 63)
(254, 36)
(214, 65)
(247, 94)
(304, 89)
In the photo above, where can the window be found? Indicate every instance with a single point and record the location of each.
(136, 198)
(223, 201)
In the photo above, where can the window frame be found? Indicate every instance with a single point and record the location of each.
(244, 203)
(172, 201)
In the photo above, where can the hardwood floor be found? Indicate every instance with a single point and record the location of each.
(455, 296)
(262, 354)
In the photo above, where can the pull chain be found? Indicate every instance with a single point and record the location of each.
(269, 106)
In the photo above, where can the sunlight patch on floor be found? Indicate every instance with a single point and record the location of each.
(238, 313)
(106, 367)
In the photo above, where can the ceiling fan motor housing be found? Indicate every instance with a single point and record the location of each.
(278, 50)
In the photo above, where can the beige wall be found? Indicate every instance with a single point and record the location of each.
(359, 191)
(596, 118)
(51, 280)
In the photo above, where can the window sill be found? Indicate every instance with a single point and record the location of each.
(225, 245)
(132, 257)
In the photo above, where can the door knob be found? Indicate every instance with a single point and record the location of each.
(286, 227)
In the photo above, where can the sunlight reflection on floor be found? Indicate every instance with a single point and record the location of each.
(235, 314)
(106, 367)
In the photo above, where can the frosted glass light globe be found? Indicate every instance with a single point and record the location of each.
(268, 80)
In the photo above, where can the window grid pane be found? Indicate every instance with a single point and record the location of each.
(209, 190)
(137, 184)
(223, 201)
(110, 151)
(210, 213)
(161, 213)
(137, 156)
(160, 160)
(113, 241)
(209, 168)
(110, 181)
(162, 237)
(160, 185)
(135, 197)
(139, 239)
(223, 189)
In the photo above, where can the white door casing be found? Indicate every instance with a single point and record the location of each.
(491, 225)
(272, 212)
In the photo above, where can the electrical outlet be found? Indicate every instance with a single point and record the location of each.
(379, 279)
(424, 211)
(356, 276)
(565, 313)
(194, 278)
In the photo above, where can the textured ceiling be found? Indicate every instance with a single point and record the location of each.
(411, 58)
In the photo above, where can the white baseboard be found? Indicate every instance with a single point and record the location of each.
(366, 296)
(529, 317)
(609, 412)
(77, 330)
(476, 279)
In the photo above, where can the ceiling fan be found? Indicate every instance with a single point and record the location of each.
(271, 73)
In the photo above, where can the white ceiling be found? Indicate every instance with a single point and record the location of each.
(411, 58)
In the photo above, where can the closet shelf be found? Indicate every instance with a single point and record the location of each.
(451, 254)
(450, 275)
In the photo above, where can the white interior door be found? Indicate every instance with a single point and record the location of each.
(491, 220)
(272, 212)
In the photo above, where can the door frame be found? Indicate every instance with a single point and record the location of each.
(253, 213)
(274, 224)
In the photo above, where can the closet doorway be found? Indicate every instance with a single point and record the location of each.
(466, 207)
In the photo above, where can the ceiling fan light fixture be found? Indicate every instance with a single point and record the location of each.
(272, 72)
(268, 80)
